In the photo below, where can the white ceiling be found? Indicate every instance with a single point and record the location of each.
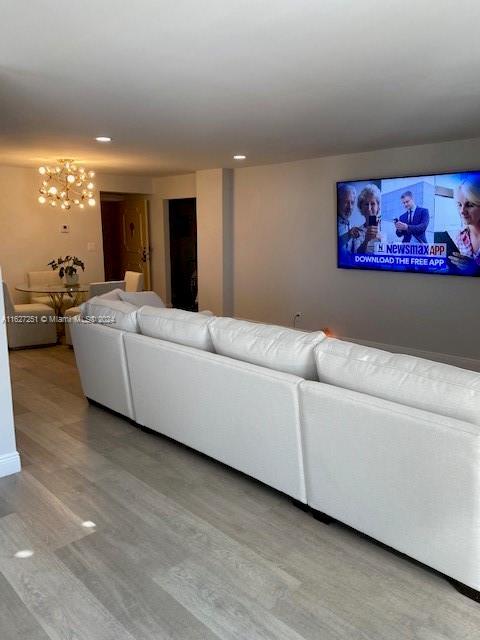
(182, 85)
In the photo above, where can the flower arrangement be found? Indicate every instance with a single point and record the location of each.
(67, 267)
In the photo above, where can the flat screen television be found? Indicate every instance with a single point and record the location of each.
(421, 224)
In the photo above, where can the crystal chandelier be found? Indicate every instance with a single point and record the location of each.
(66, 186)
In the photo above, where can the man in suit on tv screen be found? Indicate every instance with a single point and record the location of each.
(412, 224)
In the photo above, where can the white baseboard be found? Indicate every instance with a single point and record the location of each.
(456, 361)
(9, 463)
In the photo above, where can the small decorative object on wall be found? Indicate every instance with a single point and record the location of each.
(67, 267)
(66, 186)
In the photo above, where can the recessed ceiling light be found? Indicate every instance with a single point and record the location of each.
(103, 139)
(239, 157)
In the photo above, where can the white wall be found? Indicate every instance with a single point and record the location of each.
(285, 255)
(214, 240)
(9, 458)
(30, 233)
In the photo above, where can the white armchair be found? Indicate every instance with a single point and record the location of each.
(25, 327)
(133, 281)
(94, 289)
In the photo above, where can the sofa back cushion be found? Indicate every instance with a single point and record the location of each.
(142, 298)
(411, 381)
(114, 294)
(270, 346)
(176, 325)
(111, 313)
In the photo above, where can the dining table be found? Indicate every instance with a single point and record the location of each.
(57, 294)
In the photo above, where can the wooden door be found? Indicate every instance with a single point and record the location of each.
(135, 240)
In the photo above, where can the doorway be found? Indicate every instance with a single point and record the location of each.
(182, 219)
(125, 232)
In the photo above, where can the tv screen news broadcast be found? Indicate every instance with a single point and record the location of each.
(421, 224)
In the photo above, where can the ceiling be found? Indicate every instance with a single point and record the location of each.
(183, 85)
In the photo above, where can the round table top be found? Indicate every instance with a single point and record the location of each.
(53, 288)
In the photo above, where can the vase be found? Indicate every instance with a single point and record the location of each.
(71, 280)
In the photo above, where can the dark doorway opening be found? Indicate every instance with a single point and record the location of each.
(182, 218)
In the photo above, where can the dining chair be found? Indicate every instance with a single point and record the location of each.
(133, 281)
(38, 278)
(94, 289)
(46, 277)
(26, 326)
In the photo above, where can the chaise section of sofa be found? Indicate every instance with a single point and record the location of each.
(392, 448)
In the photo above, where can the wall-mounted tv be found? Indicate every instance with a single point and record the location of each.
(422, 224)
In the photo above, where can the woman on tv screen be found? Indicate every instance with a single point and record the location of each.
(467, 196)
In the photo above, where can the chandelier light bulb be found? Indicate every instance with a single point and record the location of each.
(66, 185)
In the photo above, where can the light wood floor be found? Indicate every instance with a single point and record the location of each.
(183, 548)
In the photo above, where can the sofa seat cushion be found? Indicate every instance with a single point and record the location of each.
(407, 380)
(142, 298)
(270, 346)
(175, 325)
(111, 313)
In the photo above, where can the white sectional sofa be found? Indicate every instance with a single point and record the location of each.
(387, 444)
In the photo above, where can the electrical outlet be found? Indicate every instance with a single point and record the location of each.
(297, 317)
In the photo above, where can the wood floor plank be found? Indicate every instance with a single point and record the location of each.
(59, 601)
(5, 508)
(16, 621)
(36, 453)
(228, 612)
(49, 434)
(144, 608)
(51, 521)
(264, 580)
